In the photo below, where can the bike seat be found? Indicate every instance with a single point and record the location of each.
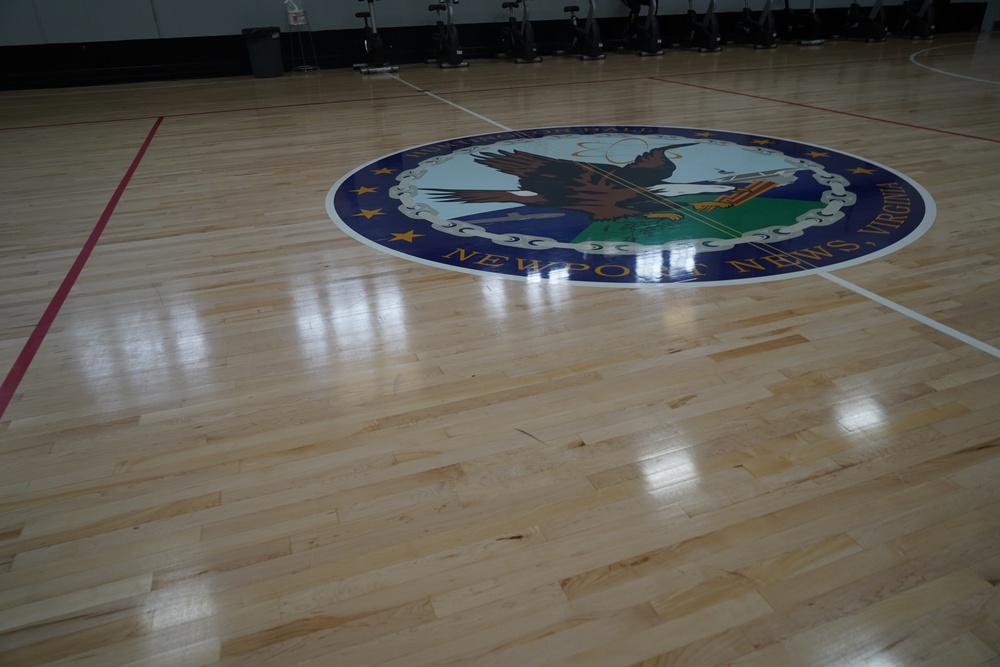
(438, 7)
(509, 5)
(571, 8)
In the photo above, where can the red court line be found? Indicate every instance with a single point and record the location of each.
(20, 367)
(75, 122)
(588, 82)
(291, 106)
(650, 77)
(209, 112)
(828, 110)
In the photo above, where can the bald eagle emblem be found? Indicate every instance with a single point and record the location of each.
(601, 192)
(629, 205)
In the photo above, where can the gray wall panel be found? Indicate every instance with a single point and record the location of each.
(19, 24)
(112, 20)
(206, 18)
(64, 21)
(61, 21)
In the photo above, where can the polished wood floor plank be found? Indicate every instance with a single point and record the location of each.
(248, 439)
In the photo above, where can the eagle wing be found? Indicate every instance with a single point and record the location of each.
(594, 189)
(600, 191)
(481, 196)
(532, 168)
(601, 194)
(581, 186)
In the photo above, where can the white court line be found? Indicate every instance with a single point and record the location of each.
(903, 310)
(913, 59)
(457, 106)
(912, 314)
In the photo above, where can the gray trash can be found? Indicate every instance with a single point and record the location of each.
(264, 47)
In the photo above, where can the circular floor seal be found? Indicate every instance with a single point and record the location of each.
(630, 206)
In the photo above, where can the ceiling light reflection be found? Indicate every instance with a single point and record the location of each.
(862, 414)
(682, 263)
(649, 266)
(669, 469)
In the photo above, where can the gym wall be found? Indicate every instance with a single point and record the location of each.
(73, 42)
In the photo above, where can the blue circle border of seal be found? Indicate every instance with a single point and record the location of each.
(890, 211)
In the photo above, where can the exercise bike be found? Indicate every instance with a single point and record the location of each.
(918, 20)
(760, 30)
(802, 27)
(519, 36)
(643, 35)
(378, 60)
(585, 42)
(870, 26)
(449, 51)
(702, 32)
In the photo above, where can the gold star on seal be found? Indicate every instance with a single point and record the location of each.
(862, 170)
(408, 236)
(363, 190)
(817, 154)
(762, 142)
(369, 214)
(702, 134)
(383, 170)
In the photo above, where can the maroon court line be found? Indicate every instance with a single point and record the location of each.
(206, 113)
(652, 77)
(828, 110)
(589, 82)
(99, 121)
(20, 367)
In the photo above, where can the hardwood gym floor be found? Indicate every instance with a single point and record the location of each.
(248, 439)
